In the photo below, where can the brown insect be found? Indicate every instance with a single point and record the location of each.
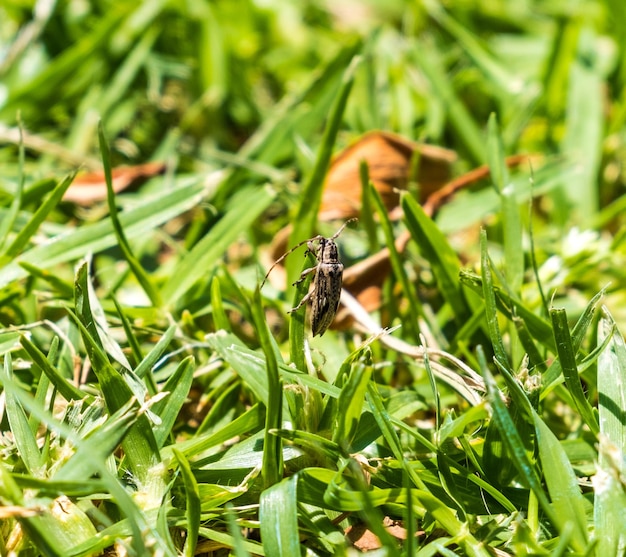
(326, 290)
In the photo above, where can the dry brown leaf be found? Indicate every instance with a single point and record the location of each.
(388, 157)
(90, 187)
(365, 540)
(439, 197)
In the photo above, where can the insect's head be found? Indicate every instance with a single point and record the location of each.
(327, 250)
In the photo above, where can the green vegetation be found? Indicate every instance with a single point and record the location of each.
(154, 400)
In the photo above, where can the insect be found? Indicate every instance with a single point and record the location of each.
(326, 290)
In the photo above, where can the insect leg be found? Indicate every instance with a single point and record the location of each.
(304, 274)
(302, 302)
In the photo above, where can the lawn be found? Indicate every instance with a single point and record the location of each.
(168, 171)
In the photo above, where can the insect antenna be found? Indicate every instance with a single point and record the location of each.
(282, 257)
(336, 234)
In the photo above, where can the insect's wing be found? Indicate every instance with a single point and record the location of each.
(325, 301)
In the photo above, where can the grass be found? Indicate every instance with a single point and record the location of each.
(156, 401)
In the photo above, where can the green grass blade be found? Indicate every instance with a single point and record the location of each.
(567, 499)
(139, 445)
(353, 475)
(64, 288)
(510, 214)
(250, 365)
(556, 68)
(495, 71)
(316, 444)
(167, 409)
(297, 319)
(609, 504)
(65, 388)
(275, 134)
(278, 515)
(93, 238)
(40, 529)
(435, 247)
(225, 540)
(584, 125)
(585, 320)
(163, 528)
(239, 546)
(311, 194)
(512, 440)
(136, 521)
(98, 325)
(137, 354)
(192, 508)
(350, 406)
(243, 209)
(133, 262)
(27, 232)
(272, 444)
(561, 482)
(127, 71)
(535, 358)
(146, 365)
(62, 69)
(220, 319)
(567, 358)
(9, 342)
(431, 63)
(98, 446)
(467, 210)
(490, 302)
(610, 526)
(367, 213)
(18, 423)
(223, 410)
(509, 306)
(415, 310)
(247, 423)
(388, 430)
(496, 460)
(7, 223)
(43, 385)
(611, 383)
(444, 515)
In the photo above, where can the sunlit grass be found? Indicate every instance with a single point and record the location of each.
(156, 401)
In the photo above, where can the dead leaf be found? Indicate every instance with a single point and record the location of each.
(362, 537)
(90, 187)
(365, 540)
(389, 157)
(439, 197)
